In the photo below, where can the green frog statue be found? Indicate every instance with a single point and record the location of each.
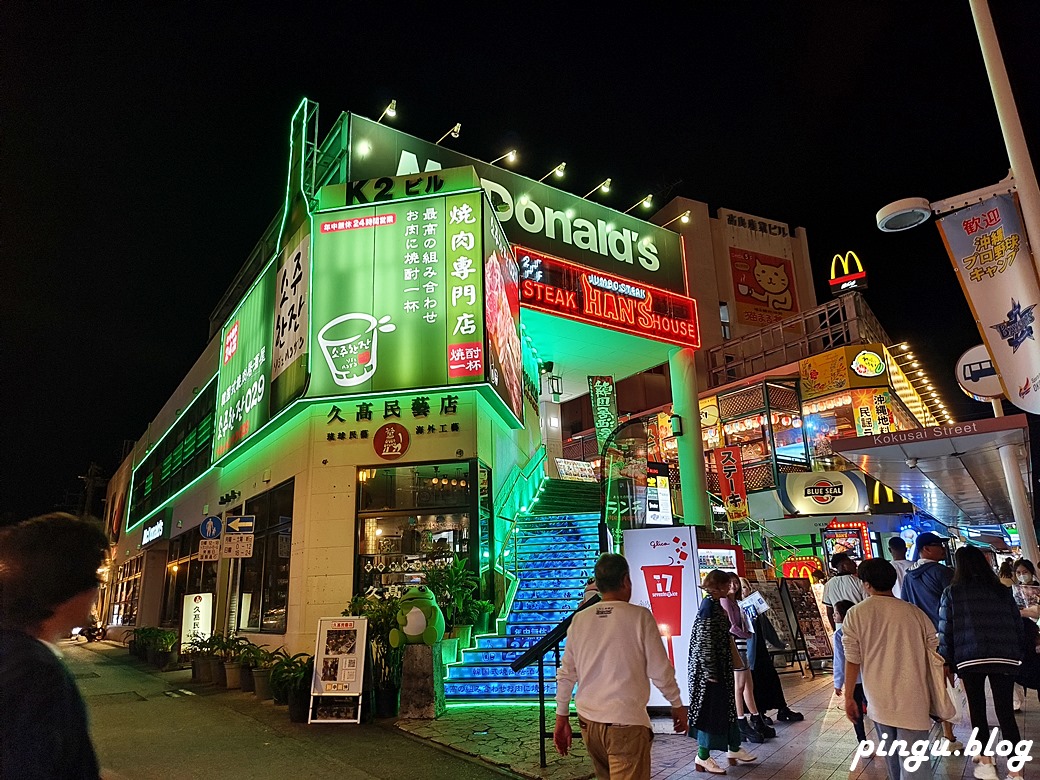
(419, 618)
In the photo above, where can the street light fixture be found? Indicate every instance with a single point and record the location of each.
(603, 186)
(390, 111)
(684, 218)
(646, 203)
(558, 170)
(510, 156)
(454, 133)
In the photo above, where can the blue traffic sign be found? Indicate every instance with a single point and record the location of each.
(240, 524)
(210, 528)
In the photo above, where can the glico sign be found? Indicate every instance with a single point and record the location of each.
(558, 287)
(850, 278)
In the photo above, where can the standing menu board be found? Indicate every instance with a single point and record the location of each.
(798, 595)
(339, 666)
(778, 615)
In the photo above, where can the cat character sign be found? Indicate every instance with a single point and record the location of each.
(763, 287)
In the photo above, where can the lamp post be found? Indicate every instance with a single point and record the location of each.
(910, 212)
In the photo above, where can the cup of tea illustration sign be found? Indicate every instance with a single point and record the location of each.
(350, 343)
(664, 587)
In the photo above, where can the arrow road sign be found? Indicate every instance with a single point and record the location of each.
(240, 524)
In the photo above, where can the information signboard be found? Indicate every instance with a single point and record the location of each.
(196, 617)
(799, 597)
(237, 546)
(339, 665)
(209, 550)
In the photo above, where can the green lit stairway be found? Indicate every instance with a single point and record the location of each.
(555, 555)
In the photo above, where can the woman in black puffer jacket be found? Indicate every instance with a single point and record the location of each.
(980, 636)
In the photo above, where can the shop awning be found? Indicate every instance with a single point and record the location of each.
(952, 472)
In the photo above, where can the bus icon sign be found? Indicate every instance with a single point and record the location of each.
(977, 376)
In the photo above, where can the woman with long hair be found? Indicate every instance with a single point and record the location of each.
(980, 637)
(769, 692)
(713, 712)
(749, 719)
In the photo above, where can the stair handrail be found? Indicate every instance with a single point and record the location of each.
(526, 471)
(749, 524)
(537, 652)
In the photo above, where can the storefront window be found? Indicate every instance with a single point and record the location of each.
(185, 574)
(414, 487)
(263, 579)
(126, 592)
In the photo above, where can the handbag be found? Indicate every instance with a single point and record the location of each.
(940, 705)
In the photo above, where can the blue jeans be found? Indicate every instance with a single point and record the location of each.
(894, 764)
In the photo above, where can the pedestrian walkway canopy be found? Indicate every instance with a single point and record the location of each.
(952, 472)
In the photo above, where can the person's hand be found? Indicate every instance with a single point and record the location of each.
(852, 711)
(837, 691)
(950, 678)
(680, 719)
(562, 735)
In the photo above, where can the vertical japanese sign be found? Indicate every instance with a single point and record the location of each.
(398, 298)
(991, 256)
(502, 319)
(243, 380)
(291, 293)
(197, 617)
(871, 410)
(730, 469)
(604, 408)
(658, 495)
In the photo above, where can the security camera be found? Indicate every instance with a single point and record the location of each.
(911, 462)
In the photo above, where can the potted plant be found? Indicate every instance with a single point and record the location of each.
(483, 610)
(249, 656)
(230, 653)
(291, 678)
(147, 643)
(214, 674)
(454, 586)
(166, 655)
(195, 648)
(130, 637)
(263, 662)
(384, 661)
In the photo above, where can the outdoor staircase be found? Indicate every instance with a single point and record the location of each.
(555, 555)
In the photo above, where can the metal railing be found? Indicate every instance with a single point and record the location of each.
(843, 321)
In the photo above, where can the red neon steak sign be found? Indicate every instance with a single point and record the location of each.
(558, 287)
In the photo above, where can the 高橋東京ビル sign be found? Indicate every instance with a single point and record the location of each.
(533, 214)
(415, 294)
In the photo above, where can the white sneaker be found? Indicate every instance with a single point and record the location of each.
(741, 755)
(708, 765)
(956, 745)
(986, 772)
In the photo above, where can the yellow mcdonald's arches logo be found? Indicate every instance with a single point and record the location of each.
(890, 495)
(846, 261)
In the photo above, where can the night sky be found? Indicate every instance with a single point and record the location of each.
(144, 152)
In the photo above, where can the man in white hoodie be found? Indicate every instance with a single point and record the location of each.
(614, 650)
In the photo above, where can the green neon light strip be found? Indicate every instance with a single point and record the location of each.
(166, 503)
(288, 176)
(133, 474)
(295, 407)
(407, 198)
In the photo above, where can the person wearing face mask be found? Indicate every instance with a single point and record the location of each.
(1023, 573)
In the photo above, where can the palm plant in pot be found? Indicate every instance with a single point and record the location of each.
(384, 661)
(249, 657)
(483, 610)
(166, 655)
(454, 586)
(195, 648)
(291, 682)
(230, 654)
(263, 662)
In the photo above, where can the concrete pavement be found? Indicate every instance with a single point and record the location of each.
(148, 724)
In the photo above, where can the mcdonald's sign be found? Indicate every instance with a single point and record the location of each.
(885, 501)
(852, 276)
(801, 566)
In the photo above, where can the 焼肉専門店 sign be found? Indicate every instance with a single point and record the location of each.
(411, 294)
(991, 256)
(532, 213)
(557, 287)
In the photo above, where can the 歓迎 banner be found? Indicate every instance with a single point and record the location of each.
(988, 247)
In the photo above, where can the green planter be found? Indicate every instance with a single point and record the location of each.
(449, 650)
(465, 636)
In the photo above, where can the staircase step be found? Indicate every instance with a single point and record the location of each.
(492, 689)
(497, 671)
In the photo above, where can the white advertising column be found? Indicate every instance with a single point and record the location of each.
(663, 565)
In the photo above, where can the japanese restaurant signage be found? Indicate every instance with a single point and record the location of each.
(604, 408)
(415, 294)
(368, 419)
(730, 469)
(558, 287)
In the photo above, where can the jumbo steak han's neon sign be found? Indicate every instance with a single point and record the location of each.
(558, 287)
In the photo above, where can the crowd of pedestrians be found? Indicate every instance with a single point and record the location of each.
(896, 622)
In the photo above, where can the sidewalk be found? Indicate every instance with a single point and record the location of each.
(150, 724)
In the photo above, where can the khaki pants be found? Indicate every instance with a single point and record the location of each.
(618, 752)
